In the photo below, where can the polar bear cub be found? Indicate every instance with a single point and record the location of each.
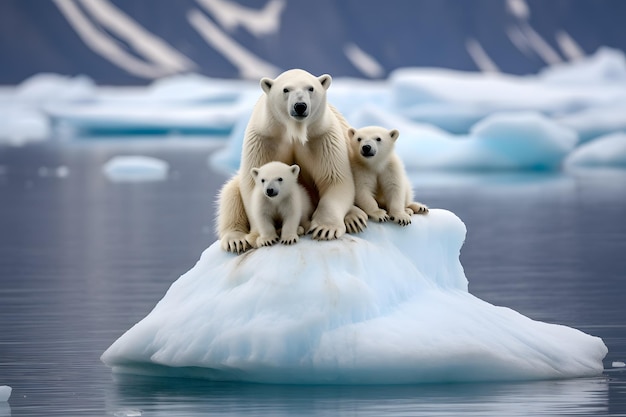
(383, 189)
(278, 200)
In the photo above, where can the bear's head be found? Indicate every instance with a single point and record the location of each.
(297, 95)
(276, 179)
(372, 143)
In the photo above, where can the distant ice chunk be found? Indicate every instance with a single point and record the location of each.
(618, 364)
(606, 65)
(455, 100)
(20, 125)
(387, 306)
(5, 393)
(136, 168)
(596, 121)
(609, 150)
(46, 87)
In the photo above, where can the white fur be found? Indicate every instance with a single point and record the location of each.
(383, 189)
(316, 140)
(278, 199)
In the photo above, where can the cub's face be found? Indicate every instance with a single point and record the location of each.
(275, 179)
(372, 142)
(296, 94)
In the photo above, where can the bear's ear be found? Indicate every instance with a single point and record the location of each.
(394, 134)
(295, 170)
(254, 172)
(351, 132)
(325, 80)
(266, 84)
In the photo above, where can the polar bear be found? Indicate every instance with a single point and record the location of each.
(379, 176)
(278, 200)
(292, 123)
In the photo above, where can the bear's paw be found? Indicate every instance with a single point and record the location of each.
(289, 239)
(380, 215)
(326, 232)
(235, 241)
(356, 220)
(418, 208)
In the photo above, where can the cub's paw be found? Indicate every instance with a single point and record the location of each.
(235, 242)
(326, 232)
(289, 239)
(267, 240)
(379, 215)
(402, 218)
(356, 220)
(418, 208)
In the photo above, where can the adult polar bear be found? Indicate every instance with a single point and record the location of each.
(293, 123)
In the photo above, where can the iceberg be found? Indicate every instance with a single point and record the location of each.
(455, 100)
(606, 151)
(597, 121)
(387, 306)
(135, 168)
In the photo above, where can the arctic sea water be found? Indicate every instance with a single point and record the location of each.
(84, 258)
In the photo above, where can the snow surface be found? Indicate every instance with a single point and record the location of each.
(135, 168)
(5, 393)
(388, 306)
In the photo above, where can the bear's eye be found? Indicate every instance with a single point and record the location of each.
(262, 180)
(285, 90)
(378, 139)
(280, 179)
(311, 89)
(358, 139)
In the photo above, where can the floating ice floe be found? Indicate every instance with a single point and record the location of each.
(606, 151)
(186, 104)
(22, 118)
(135, 168)
(20, 125)
(455, 100)
(388, 306)
(5, 393)
(605, 66)
(107, 119)
(596, 121)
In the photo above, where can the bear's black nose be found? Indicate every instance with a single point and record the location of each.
(300, 108)
(366, 150)
(271, 192)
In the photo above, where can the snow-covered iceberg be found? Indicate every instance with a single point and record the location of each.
(388, 306)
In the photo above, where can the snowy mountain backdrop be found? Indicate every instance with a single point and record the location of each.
(137, 41)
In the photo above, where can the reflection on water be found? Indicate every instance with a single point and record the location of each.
(182, 397)
(82, 259)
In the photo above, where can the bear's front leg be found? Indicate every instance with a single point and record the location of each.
(366, 201)
(232, 221)
(289, 233)
(328, 219)
(398, 213)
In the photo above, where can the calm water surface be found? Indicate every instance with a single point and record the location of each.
(83, 258)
